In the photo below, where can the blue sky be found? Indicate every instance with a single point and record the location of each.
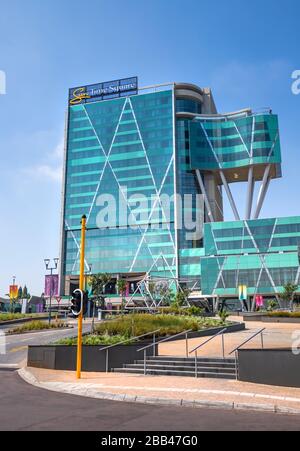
(245, 51)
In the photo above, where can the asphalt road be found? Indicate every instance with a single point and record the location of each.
(26, 408)
(16, 345)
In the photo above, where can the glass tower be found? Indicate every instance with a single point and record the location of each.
(126, 151)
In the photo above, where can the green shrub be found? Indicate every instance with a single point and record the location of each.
(15, 316)
(36, 325)
(272, 305)
(195, 311)
(284, 314)
(122, 328)
(180, 311)
(11, 316)
(223, 314)
(94, 340)
(140, 324)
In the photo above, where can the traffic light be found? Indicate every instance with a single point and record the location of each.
(76, 303)
(85, 302)
(79, 301)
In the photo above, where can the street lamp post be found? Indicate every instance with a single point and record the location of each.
(51, 269)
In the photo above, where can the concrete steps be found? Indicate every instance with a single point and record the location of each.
(177, 366)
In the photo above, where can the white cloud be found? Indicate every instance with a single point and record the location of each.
(58, 151)
(48, 172)
(51, 168)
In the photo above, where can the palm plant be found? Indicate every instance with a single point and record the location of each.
(290, 290)
(122, 286)
(98, 283)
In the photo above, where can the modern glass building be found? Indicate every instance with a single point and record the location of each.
(137, 145)
(261, 254)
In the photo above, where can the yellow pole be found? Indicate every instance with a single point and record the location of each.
(81, 287)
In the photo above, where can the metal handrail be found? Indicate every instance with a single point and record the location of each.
(186, 332)
(250, 339)
(130, 339)
(166, 339)
(221, 332)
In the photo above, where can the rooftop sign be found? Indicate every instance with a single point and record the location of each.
(103, 91)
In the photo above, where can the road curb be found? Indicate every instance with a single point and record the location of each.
(9, 366)
(28, 377)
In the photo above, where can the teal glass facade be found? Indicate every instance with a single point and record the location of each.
(189, 251)
(113, 144)
(233, 142)
(262, 254)
(138, 148)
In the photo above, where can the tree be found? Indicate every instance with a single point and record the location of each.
(182, 297)
(98, 283)
(25, 294)
(122, 286)
(163, 293)
(290, 290)
(20, 293)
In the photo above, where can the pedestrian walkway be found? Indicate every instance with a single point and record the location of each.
(276, 335)
(185, 391)
(169, 390)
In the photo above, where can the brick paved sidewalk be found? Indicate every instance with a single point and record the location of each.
(183, 390)
(276, 335)
(173, 389)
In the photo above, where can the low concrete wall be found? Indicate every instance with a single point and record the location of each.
(64, 357)
(270, 367)
(235, 327)
(274, 319)
(270, 319)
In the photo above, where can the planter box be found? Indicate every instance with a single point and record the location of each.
(274, 319)
(235, 327)
(64, 357)
(27, 320)
(278, 367)
(270, 319)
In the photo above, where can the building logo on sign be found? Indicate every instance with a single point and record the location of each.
(103, 91)
(78, 96)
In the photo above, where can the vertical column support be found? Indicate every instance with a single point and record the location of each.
(263, 191)
(230, 196)
(250, 194)
(206, 200)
